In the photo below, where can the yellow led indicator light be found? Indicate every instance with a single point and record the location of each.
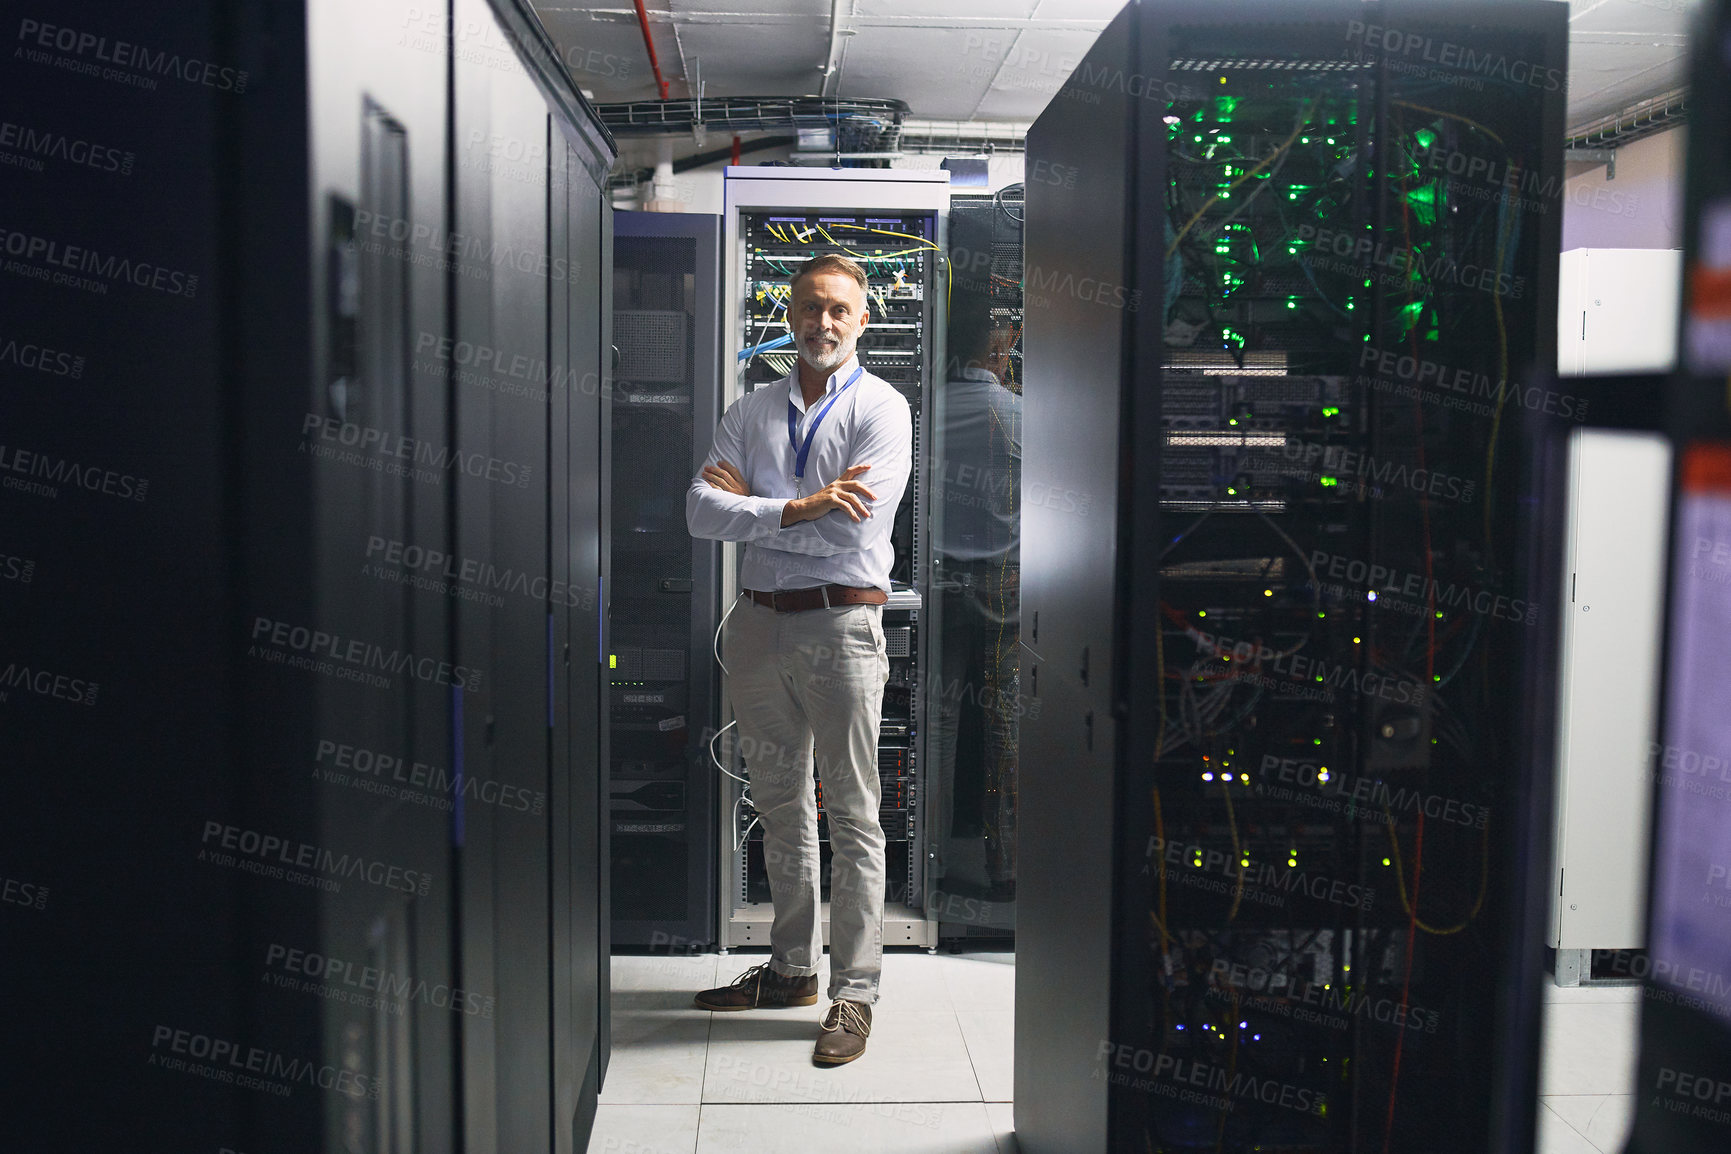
(613, 661)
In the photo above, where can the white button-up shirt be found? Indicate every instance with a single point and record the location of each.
(870, 424)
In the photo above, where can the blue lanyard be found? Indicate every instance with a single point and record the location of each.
(801, 452)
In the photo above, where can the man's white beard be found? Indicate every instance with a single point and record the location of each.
(827, 362)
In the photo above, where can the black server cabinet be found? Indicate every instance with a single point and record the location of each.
(1288, 278)
(353, 684)
(1683, 1075)
(666, 389)
(976, 552)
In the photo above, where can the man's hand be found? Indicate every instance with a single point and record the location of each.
(843, 493)
(725, 477)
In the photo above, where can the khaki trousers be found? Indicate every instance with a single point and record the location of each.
(807, 685)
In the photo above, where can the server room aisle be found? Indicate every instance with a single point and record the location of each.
(935, 1078)
(1587, 1080)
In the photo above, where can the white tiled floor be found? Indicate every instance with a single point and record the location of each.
(1587, 1079)
(936, 1077)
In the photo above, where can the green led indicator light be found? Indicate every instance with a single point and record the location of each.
(1329, 482)
(1331, 411)
(613, 661)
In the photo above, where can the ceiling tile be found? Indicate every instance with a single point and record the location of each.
(994, 59)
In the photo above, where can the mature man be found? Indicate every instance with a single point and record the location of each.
(807, 473)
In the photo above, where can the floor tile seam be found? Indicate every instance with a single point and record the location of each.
(973, 1064)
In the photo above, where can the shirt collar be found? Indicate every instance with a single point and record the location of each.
(975, 373)
(836, 380)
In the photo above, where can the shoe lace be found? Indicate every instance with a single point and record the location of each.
(752, 975)
(843, 1013)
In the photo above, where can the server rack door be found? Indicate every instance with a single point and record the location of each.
(377, 163)
(478, 964)
(1686, 1011)
(1075, 353)
(130, 742)
(588, 373)
(974, 713)
(568, 598)
(514, 724)
(1321, 616)
(665, 285)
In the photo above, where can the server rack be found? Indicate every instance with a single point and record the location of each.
(1685, 1029)
(894, 222)
(1260, 509)
(373, 459)
(666, 280)
(978, 699)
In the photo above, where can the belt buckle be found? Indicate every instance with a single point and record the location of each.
(825, 589)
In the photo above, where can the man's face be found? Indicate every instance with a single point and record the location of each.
(828, 312)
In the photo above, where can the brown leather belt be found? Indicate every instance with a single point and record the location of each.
(822, 597)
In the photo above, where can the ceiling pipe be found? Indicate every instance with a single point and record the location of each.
(649, 43)
(830, 63)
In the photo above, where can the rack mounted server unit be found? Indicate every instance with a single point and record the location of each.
(666, 280)
(1279, 603)
(893, 223)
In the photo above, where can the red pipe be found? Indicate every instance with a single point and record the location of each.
(643, 19)
(735, 159)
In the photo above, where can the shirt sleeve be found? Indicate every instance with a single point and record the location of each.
(717, 515)
(885, 441)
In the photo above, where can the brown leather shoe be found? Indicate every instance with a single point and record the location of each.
(845, 1029)
(760, 988)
